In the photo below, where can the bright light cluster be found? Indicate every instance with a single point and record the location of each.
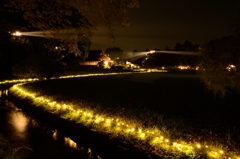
(142, 70)
(184, 67)
(17, 33)
(118, 126)
(156, 70)
(231, 67)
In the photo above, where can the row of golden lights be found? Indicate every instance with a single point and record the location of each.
(68, 76)
(187, 67)
(116, 125)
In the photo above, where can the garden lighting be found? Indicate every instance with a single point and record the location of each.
(198, 146)
(143, 134)
(120, 125)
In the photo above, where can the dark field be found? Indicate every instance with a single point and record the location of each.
(175, 102)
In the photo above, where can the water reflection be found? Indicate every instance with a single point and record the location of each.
(70, 142)
(19, 121)
(3, 93)
(3, 96)
(46, 141)
(54, 134)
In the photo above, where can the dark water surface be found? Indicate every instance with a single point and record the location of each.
(46, 142)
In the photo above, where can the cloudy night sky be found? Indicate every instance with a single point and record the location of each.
(161, 23)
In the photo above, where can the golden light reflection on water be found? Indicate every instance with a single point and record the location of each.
(3, 93)
(70, 142)
(19, 122)
(55, 134)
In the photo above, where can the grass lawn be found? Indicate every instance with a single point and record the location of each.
(175, 103)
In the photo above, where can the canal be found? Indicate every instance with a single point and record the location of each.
(36, 139)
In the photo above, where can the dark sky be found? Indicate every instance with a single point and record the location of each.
(158, 23)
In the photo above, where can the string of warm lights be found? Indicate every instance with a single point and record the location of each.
(82, 75)
(120, 126)
(67, 76)
(18, 80)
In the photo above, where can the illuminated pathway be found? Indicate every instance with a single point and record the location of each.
(120, 126)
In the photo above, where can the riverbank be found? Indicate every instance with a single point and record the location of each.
(195, 123)
(206, 127)
(101, 144)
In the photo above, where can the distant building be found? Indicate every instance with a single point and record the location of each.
(97, 58)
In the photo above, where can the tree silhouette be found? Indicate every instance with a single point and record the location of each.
(42, 13)
(82, 17)
(167, 48)
(217, 55)
(114, 52)
(186, 59)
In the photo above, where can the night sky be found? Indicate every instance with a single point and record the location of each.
(158, 23)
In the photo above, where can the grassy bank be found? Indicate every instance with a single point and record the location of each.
(169, 114)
